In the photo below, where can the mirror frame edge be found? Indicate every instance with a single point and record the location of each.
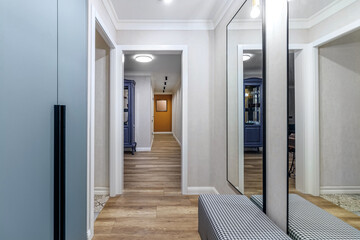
(263, 15)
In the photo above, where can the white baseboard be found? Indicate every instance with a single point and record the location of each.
(201, 190)
(162, 132)
(340, 190)
(89, 234)
(101, 191)
(177, 139)
(143, 149)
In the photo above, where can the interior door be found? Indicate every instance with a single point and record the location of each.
(162, 113)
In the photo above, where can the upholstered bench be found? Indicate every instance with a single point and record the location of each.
(308, 221)
(234, 217)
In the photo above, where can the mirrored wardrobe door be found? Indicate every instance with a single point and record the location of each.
(323, 119)
(245, 101)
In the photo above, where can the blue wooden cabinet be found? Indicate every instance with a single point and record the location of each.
(129, 115)
(253, 113)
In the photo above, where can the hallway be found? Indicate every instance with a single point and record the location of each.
(152, 206)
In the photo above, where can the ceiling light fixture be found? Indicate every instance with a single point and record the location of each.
(255, 10)
(143, 58)
(246, 56)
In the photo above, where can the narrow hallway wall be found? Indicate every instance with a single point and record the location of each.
(102, 101)
(177, 113)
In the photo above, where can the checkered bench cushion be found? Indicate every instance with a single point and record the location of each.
(308, 221)
(234, 217)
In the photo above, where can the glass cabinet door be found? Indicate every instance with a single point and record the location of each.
(126, 106)
(252, 105)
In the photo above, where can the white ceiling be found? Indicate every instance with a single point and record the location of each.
(299, 9)
(157, 10)
(307, 8)
(164, 64)
(206, 14)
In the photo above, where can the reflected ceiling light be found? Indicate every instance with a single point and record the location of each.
(255, 10)
(143, 58)
(246, 56)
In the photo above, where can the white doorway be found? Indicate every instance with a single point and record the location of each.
(96, 26)
(169, 49)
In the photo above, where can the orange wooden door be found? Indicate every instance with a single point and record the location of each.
(162, 113)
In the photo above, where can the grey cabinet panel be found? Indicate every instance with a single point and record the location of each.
(28, 87)
(72, 92)
(43, 61)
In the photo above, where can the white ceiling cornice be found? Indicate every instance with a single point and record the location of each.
(328, 11)
(164, 25)
(221, 12)
(318, 17)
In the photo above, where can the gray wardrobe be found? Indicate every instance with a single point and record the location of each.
(43, 62)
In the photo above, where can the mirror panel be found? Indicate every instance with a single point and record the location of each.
(245, 100)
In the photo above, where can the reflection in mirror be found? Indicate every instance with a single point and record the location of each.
(323, 123)
(245, 100)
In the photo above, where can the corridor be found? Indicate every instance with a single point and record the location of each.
(152, 206)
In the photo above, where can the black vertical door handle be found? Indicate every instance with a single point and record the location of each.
(59, 171)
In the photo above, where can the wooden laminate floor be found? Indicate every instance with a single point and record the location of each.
(152, 206)
(253, 185)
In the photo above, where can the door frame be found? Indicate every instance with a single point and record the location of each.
(315, 45)
(95, 23)
(183, 49)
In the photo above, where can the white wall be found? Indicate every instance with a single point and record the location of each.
(143, 124)
(102, 82)
(177, 113)
(339, 70)
(200, 54)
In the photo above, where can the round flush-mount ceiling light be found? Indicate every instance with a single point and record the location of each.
(143, 58)
(246, 56)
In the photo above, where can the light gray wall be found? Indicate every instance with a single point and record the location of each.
(143, 123)
(102, 103)
(177, 113)
(339, 70)
(200, 52)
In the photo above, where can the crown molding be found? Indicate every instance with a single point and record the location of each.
(219, 15)
(248, 24)
(164, 25)
(331, 9)
(328, 11)
(111, 11)
(156, 24)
